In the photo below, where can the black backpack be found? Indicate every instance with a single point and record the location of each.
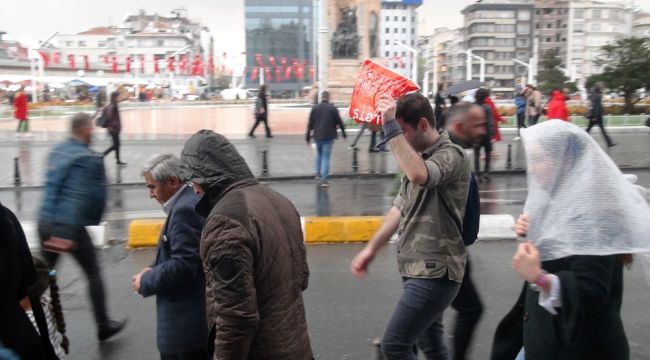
(472, 218)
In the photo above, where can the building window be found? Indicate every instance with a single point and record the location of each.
(412, 42)
(596, 14)
(595, 27)
(404, 18)
(523, 15)
(387, 53)
(120, 44)
(82, 44)
(395, 53)
(101, 44)
(523, 28)
(578, 28)
(403, 30)
(160, 43)
(69, 44)
(395, 30)
(396, 18)
(579, 14)
(522, 42)
(412, 30)
(387, 18)
(387, 42)
(387, 31)
(403, 53)
(548, 39)
(537, 26)
(549, 26)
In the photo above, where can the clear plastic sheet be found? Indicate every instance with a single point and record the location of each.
(579, 202)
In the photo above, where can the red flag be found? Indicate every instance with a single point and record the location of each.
(86, 64)
(267, 74)
(299, 72)
(56, 57)
(312, 73)
(170, 64)
(105, 59)
(197, 65)
(272, 60)
(156, 69)
(211, 64)
(114, 64)
(46, 58)
(142, 64)
(295, 62)
(71, 61)
(254, 74)
(278, 74)
(183, 64)
(259, 60)
(287, 73)
(283, 61)
(128, 64)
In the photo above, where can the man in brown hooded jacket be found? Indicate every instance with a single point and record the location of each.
(253, 256)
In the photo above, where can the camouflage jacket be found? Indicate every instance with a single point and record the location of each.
(430, 244)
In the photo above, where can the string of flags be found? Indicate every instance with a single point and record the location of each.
(281, 68)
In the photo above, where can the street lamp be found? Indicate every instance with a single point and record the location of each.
(414, 65)
(323, 47)
(469, 65)
(529, 66)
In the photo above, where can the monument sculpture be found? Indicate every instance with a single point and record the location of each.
(345, 40)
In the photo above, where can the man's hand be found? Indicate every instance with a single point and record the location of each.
(135, 280)
(526, 262)
(387, 107)
(521, 226)
(360, 262)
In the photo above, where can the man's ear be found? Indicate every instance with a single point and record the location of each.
(175, 181)
(423, 124)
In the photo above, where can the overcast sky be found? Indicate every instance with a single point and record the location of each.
(31, 20)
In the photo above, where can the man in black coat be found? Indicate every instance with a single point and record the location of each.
(323, 121)
(176, 277)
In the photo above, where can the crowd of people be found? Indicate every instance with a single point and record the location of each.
(231, 266)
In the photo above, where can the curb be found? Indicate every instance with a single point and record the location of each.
(330, 229)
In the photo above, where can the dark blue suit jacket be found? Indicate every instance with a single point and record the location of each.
(177, 279)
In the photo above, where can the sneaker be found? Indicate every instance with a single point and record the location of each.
(109, 329)
(325, 184)
(29, 135)
(18, 135)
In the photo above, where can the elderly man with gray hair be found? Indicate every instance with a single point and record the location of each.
(176, 277)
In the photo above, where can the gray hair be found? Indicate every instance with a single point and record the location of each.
(458, 112)
(78, 121)
(163, 168)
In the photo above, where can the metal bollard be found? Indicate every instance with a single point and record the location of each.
(509, 157)
(265, 164)
(355, 160)
(376, 343)
(17, 180)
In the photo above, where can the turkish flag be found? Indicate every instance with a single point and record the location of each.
(114, 64)
(86, 64)
(272, 60)
(287, 73)
(278, 74)
(183, 65)
(197, 65)
(156, 69)
(259, 60)
(283, 61)
(46, 58)
(254, 73)
(56, 57)
(71, 62)
(142, 64)
(170, 64)
(299, 72)
(267, 74)
(105, 59)
(128, 64)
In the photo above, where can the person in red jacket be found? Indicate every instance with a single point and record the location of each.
(20, 111)
(497, 119)
(556, 107)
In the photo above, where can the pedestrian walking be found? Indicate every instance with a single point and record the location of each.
(18, 277)
(440, 107)
(557, 107)
(261, 113)
(533, 104)
(176, 277)
(569, 307)
(595, 114)
(481, 96)
(114, 126)
(324, 119)
(520, 105)
(431, 200)
(21, 113)
(467, 127)
(253, 256)
(75, 197)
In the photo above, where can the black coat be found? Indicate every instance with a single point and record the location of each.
(177, 279)
(588, 325)
(323, 120)
(16, 330)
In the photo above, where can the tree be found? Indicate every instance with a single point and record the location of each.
(626, 69)
(550, 76)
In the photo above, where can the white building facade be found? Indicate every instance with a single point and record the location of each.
(398, 19)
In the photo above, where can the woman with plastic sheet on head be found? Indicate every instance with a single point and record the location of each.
(574, 260)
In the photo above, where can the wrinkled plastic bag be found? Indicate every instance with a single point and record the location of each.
(373, 81)
(579, 202)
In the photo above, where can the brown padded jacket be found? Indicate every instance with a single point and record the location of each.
(253, 256)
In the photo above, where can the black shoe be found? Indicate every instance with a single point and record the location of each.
(121, 163)
(611, 145)
(251, 136)
(110, 328)
(269, 136)
(373, 150)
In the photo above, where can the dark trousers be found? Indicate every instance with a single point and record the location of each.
(418, 320)
(85, 256)
(521, 122)
(487, 144)
(115, 146)
(373, 141)
(258, 119)
(598, 120)
(198, 355)
(468, 308)
(532, 119)
(363, 127)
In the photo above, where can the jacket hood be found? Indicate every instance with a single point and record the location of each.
(208, 159)
(557, 95)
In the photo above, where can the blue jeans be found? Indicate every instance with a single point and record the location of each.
(417, 320)
(324, 153)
